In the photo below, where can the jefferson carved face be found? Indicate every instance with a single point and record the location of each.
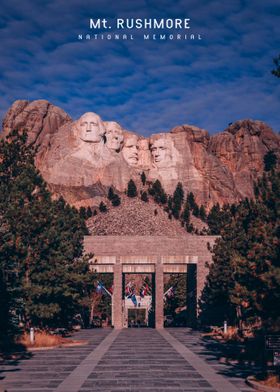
(161, 152)
(130, 150)
(90, 128)
(114, 136)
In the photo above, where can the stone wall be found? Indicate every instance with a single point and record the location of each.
(145, 250)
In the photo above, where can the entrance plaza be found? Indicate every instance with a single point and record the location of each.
(135, 359)
(156, 256)
(127, 360)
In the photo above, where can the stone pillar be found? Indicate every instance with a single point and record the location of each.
(159, 294)
(117, 316)
(191, 294)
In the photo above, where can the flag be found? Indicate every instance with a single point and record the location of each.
(134, 299)
(129, 290)
(169, 293)
(100, 288)
(144, 290)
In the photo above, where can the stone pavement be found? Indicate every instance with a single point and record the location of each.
(173, 360)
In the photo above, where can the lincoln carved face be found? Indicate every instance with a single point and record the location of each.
(114, 136)
(161, 152)
(130, 150)
(90, 128)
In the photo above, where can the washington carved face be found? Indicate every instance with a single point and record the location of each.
(130, 150)
(114, 136)
(161, 152)
(90, 128)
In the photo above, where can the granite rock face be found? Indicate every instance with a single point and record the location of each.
(40, 118)
(81, 159)
(241, 148)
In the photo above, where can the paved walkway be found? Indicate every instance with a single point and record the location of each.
(173, 360)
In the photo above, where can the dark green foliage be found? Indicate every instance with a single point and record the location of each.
(190, 200)
(158, 193)
(94, 212)
(114, 197)
(270, 161)
(89, 213)
(144, 197)
(192, 205)
(190, 228)
(243, 284)
(103, 207)
(143, 178)
(83, 212)
(178, 282)
(116, 201)
(196, 211)
(169, 203)
(213, 220)
(131, 189)
(276, 71)
(111, 193)
(186, 215)
(202, 213)
(177, 200)
(218, 218)
(43, 276)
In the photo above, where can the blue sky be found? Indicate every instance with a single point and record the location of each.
(147, 86)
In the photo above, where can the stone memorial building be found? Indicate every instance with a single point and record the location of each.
(154, 255)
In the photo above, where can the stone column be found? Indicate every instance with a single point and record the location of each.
(117, 297)
(191, 294)
(159, 294)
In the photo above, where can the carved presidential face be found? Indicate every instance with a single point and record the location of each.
(161, 152)
(90, 128)
(114, 136)
(130, 150)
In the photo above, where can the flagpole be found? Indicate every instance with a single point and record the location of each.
(108, 292)
(167, 291)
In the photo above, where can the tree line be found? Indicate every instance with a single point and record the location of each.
(44, 277)
(243, 285)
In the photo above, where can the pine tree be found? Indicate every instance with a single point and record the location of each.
(42, 244)
(213, 220)
(186, 215)
(103, 207)
(111, 193)
(143, 178)
(270, 161)
(83, 213)
(196, 211)
(116, 201)
(191, 200)
(243, 284)
(177, 200)
(88, 213)
(144, 197)
(202, 213)
(131, 189)
(276, 71)
(158, 193)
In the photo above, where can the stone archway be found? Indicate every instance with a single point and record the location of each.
(153, 255)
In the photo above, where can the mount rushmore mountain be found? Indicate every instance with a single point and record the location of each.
(81, 159)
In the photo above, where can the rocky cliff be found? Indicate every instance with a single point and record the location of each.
(81, 159)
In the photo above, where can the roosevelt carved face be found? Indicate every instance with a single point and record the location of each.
(114, 136)
(90, 128)
(130, 150)
(161, 152)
